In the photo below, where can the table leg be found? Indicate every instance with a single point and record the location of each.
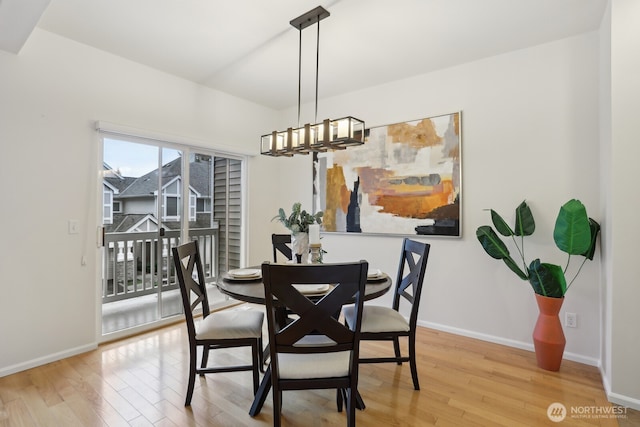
(261, 394)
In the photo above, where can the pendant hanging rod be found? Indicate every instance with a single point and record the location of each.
(322, 136)
(315, 119)
(301, 22)
(299, 72)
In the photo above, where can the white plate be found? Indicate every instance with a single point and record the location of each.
(312, 289)
(374, 274)
(245, 273)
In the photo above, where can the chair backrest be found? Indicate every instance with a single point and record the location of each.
(315, 316)
(413, 263)
(281, 244)
(186, 258)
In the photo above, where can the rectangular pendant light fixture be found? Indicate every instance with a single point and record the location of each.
(323, 136)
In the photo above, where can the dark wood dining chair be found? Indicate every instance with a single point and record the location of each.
(281, 245)
(314, 350)
(221, 329)
(386, 323)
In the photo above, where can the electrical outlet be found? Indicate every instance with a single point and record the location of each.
(570, 320)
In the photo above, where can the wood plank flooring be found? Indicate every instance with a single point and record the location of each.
(141, 381)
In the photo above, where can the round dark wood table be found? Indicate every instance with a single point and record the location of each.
(252, 290)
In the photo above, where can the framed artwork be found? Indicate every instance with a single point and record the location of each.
(404, 180)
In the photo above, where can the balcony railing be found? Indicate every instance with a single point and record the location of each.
(136, 264)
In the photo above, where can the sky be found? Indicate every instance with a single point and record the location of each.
(133, 159)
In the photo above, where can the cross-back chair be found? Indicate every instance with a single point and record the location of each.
(222, 329)
(387, 323)
(314, 350)
(281, 245)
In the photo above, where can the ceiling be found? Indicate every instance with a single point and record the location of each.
(247, 48)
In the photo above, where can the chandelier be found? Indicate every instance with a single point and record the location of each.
(319, 137)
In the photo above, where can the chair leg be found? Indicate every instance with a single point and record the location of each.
(396, 348)
(192, 375)
(205, 358)
(261, 354)
(340, 398)
(256, 351)
(277, 407)
(412, 361)
(351, 408)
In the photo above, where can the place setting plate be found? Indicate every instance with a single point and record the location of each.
(375, 275)
(319, 289)
(244, 274)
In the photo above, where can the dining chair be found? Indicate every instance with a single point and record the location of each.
(314, 350)
(221, 329)
(386, 323)
(281, 245)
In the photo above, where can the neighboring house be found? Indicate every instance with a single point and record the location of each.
(130, 204)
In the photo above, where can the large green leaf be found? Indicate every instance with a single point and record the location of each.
(572, 232)
(500, 224)
(514, 267)
(547, 279)
(595, 229)
(525, 225)
(496, 248)
(491, 243)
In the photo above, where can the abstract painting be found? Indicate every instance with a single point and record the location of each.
(405, 180)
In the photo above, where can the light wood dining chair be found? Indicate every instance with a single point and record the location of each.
(221, 329)
(387, 323)
(314, 350)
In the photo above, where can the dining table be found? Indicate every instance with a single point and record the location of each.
(246, 285)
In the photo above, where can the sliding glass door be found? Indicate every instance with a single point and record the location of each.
(154, 198)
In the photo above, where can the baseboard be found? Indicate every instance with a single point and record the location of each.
(625, 401)
(616, 398)
(503, 341)
(46, 359)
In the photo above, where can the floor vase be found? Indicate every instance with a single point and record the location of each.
(548, 336)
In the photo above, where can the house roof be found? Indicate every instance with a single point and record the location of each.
(146, 185)
(123, 223)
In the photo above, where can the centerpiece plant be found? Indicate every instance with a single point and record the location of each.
(574, 233)
(299, 220)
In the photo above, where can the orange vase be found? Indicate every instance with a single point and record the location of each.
(548, 337)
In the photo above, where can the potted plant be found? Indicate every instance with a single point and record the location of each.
(298, 222)
(575, 234)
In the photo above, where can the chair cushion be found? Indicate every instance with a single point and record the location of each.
(319, 365)
(231, 324)
(305, 366)
(377, 319)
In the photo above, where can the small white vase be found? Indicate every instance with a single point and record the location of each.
(300, 247)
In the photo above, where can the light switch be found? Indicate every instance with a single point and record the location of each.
(74, 226)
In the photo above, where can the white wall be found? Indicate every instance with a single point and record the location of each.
(50, 96)
(530, 131)
(623, 236)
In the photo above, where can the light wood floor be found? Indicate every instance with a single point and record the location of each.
(141, 381)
